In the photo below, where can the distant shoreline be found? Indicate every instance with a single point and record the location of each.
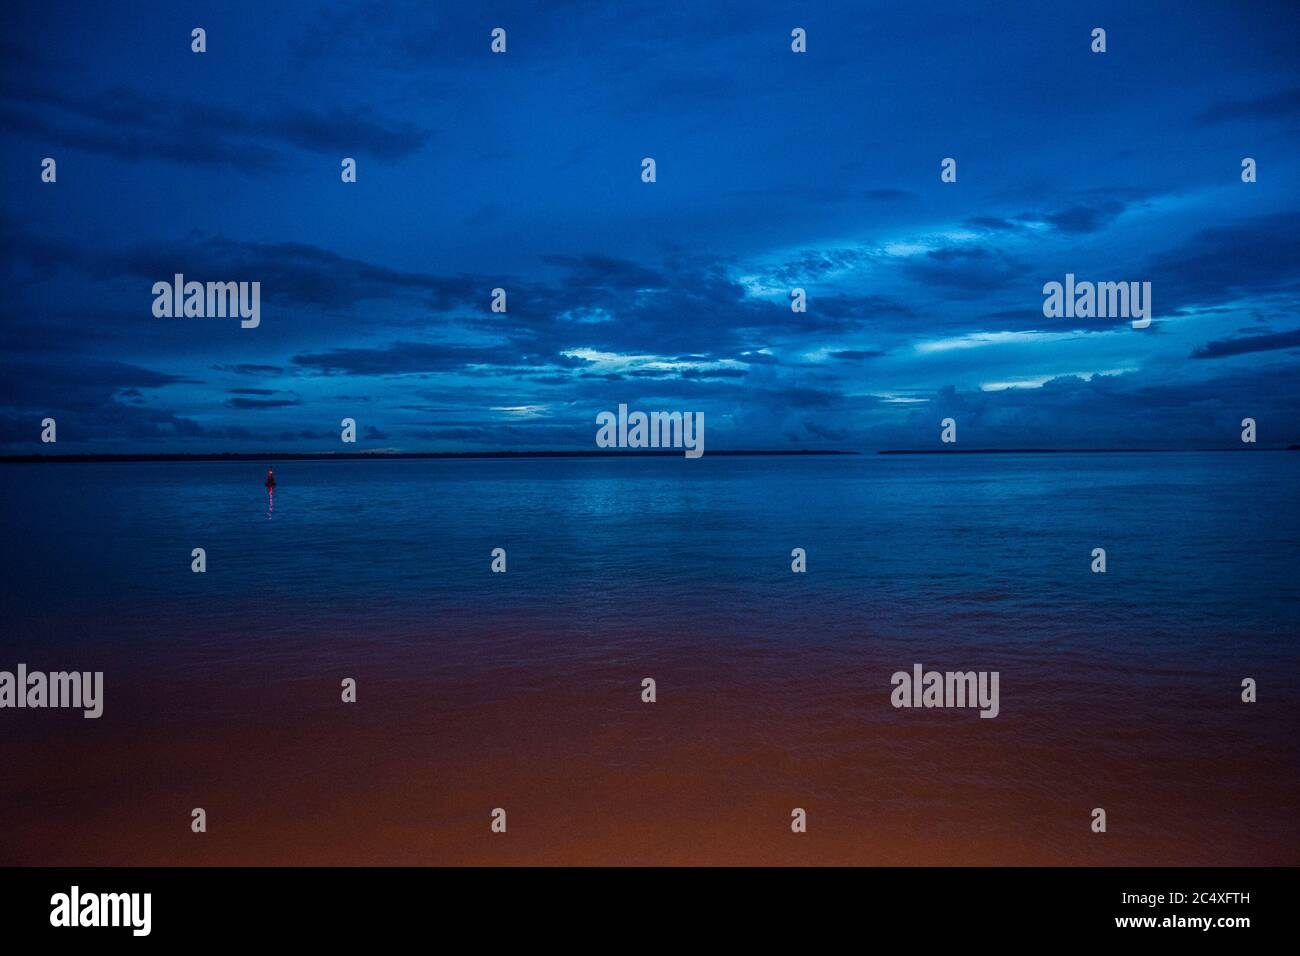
(622, 453)
(401, 456)
(1070, 451)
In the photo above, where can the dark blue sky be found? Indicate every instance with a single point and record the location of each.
(522, 170)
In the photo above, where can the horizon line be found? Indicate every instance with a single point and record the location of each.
(107, 457)
(1073, 451)
(398, 455)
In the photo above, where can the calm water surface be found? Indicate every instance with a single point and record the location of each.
(478, 689)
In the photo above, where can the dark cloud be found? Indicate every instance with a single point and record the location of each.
(201, 149)
(713, 373)
(967, 271)
(606, 272)
(1283, 105)
(1079, 219)
(808, 397)
(69, 384)
(249, 403)
(137, 126)
(805, 195)
(289, 272)
(245, 368)
(814, 264)
(1108, 411)
(406, 358)
(93, 402)
(1250, 343)
(888, 195)
(1259, 256)
(1089, 212)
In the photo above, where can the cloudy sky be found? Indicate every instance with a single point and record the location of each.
(523, 171)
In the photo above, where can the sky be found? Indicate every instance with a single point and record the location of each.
(775, 170)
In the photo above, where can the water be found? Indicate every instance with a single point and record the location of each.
(1119, 690)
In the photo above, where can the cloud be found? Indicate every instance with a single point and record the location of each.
(406, 358)
(1249, 257)
(606, 272)
(93, 402)
(995, 223)
(69, 384)
(134, 126)
(1249, 343)
(1091, 211)
(262, 402)
(856, 355)
(290, 272)
(246, 368)
(811, 265)
(689, 373)
(1281, 105)
(968, 271)
(1104, 411)
(1079, 219)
